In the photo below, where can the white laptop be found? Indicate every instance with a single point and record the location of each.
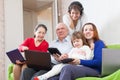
(110, 61)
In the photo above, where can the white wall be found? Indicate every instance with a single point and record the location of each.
(106, 15)
(2, 42)
(13, 26)
(29, 21)
(45, 17)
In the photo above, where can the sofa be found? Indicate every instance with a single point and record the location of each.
(10, 72)
(114, 76)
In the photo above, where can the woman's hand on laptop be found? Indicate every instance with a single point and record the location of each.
(19, 62)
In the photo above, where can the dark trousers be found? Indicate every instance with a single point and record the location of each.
(71, 72)
(30, 73)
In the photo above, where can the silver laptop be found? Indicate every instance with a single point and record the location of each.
(110, 61)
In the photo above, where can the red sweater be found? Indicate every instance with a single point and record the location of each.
(29, 42)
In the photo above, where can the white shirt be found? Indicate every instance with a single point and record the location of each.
(80, 23)
(83, 52)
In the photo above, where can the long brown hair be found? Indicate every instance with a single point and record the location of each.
(96, 36)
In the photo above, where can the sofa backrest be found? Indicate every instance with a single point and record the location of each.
(114, 46)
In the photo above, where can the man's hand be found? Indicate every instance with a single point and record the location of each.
(57, 57)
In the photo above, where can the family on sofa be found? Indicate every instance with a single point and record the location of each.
(114, 76)
(78, 69)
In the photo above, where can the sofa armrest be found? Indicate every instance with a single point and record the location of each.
(10, 72)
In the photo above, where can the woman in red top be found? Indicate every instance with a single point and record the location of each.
(37, 43)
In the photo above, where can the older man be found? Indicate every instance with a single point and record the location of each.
(62, 42)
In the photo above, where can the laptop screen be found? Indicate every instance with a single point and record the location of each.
(38, 60)
(110, 61)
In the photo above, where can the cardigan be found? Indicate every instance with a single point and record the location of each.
(96, 62)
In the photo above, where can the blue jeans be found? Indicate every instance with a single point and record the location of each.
(71, 72)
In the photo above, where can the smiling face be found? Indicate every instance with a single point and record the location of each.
(88, 32)
(77, 43)
(75, 10)
(75, 14)
(78, 39)
(40, 33)
(61, 31)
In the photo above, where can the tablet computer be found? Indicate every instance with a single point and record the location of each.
(67, 60)
(54, 51)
